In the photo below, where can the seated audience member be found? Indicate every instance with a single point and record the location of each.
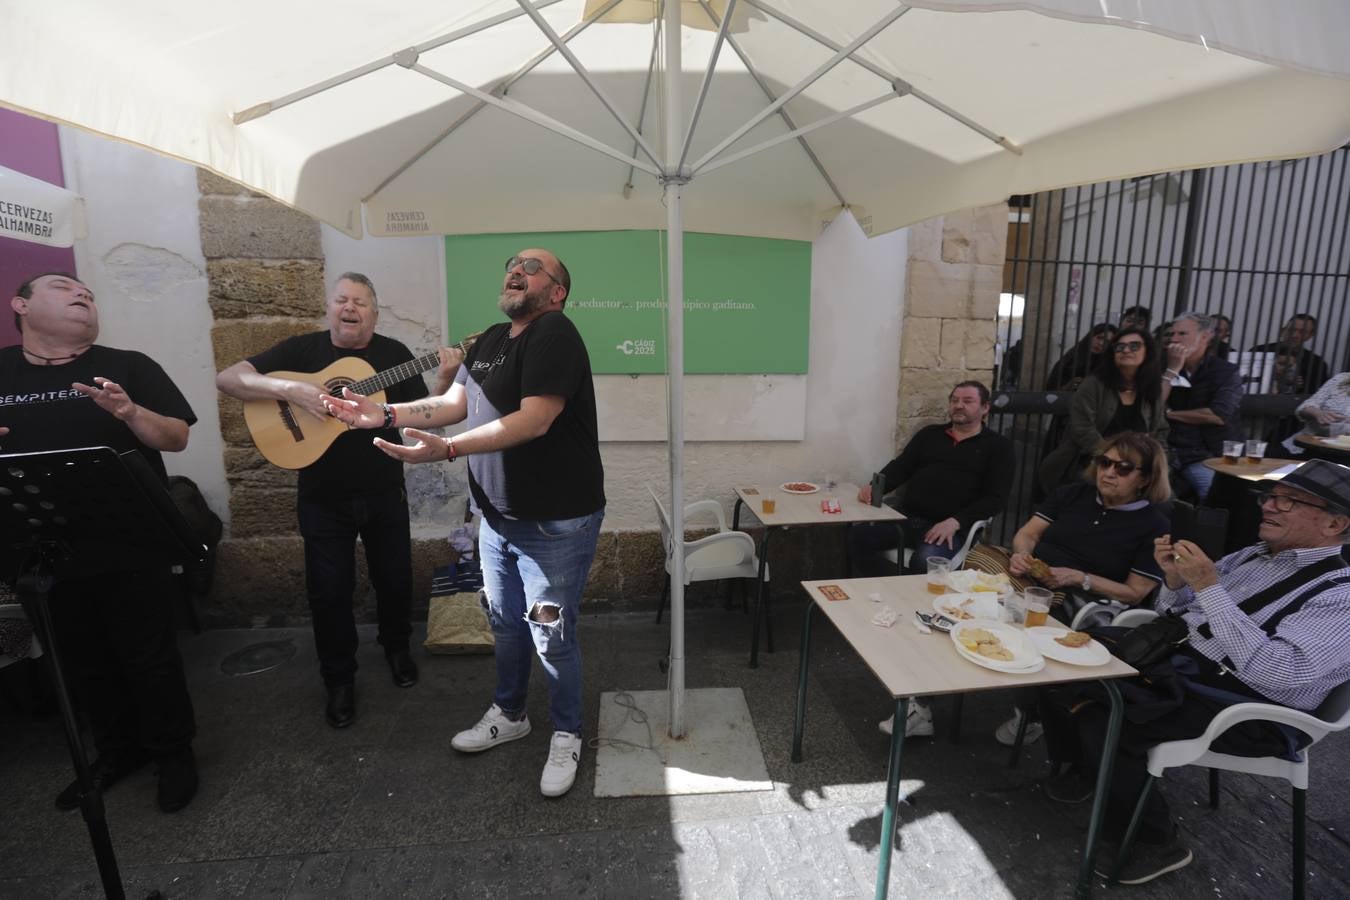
(1202, 409)
(1223, 333)
(1297, 370)
(1265, 624)
(1328, 410)
(1081, 359)
(1136, 317)
(1127, 392)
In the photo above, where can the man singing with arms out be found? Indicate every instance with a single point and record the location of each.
(352, 490)
(58, 390)
(536, 480)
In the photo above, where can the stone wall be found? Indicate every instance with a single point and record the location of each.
(951, 294)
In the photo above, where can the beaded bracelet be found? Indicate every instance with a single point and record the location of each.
(389, 415)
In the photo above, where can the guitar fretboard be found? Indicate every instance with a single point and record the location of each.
(403, 371)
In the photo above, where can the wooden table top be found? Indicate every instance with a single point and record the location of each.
(804, 509)
(1247, 471)
(1329, 445)
(911, 664)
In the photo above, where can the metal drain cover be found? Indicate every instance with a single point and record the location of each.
(258, 657)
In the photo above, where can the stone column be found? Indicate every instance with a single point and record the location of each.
(953, 279)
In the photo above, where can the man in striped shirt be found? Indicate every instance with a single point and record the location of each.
(1269, 623)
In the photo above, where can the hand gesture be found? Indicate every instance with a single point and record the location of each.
(1176, 355)
(1164, 556)
(1193, 566)
(423, 447)
(1019, 564)
(1062, 577)
(865, 494)
(308, 397)
(1323, 416)
(355, 410)
(110, 396)
(451, 359)
(942, 533)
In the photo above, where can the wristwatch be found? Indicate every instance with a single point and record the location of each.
(1087, 582)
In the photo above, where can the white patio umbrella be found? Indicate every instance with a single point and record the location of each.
(39, 212)
(528, 115)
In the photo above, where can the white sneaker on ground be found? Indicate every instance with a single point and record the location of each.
(918, 722)
(493, 729)
(1006, 734)
(564, 752)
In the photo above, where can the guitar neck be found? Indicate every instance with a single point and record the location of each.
(403, 371)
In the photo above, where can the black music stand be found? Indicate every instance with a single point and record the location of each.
(83, 512)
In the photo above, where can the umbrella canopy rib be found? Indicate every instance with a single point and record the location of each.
(498, 90)
(815, 75)
(585, 76)
(707, 82)
(530, 114)
(806, 30)
(262, 109)
(642, 109)
(782, 113)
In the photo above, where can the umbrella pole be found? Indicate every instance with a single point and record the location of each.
(675, 356)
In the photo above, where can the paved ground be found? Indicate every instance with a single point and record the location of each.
(291, 808)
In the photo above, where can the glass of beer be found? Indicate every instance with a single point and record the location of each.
(769, 505)
(1038, 605)
(1232, 452)
(1256, 451)
(938, 567)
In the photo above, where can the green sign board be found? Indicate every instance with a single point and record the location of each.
(747, 305)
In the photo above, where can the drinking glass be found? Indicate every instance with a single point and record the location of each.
(1256, 451)
(1038, 605)
(1232, 451)
(938, 567)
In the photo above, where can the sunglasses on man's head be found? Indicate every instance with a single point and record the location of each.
(530, 266)
(1129, 346)
(1122, 466)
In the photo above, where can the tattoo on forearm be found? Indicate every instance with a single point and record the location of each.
(422, 409)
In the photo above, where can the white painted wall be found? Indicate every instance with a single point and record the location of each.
(143, 259)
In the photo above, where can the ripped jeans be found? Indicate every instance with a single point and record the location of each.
(530, 564)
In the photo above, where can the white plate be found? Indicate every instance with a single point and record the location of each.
(1026, 658)
(785, 487)
(1090, 654)
(978, 604)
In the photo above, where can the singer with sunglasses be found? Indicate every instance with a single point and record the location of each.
(1096, 536)
(525, 395)
(1126, 392)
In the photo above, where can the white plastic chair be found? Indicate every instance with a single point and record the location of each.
(725, 554)
(1332, 716)
(958, 558)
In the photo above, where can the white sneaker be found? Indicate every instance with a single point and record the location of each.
(1006, 734)
(561, 769)
(493, 729)
(918, 722)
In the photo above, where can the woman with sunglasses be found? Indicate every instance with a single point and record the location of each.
(1126, 392)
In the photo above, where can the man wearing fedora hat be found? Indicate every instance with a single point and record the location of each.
(1269, 623)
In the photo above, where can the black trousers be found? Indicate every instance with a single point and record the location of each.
(119, 647)
(1075, 732)
(330, 529)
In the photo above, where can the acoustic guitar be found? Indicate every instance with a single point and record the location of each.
(291, 438)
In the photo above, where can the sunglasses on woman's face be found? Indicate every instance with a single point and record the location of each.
(1123, 467)
(1129, 346)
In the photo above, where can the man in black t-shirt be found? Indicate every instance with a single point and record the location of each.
(58, 390)
(353, 489)
(536, 480)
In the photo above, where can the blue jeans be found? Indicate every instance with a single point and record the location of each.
(1200, 476)
(867, 540)
(538, 563)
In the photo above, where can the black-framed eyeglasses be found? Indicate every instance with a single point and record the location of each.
(531, 266)
(1285, 502)
(1128, 346)
(1122, 466)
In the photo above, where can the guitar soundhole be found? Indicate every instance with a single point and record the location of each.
(334, 386)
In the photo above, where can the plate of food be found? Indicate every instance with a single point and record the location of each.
(996, 646)
(801, 487)
(1074, 647)
(960, 607)
(965, 581)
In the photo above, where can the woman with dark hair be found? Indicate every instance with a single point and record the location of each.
(1126, 392)
(1082, 358)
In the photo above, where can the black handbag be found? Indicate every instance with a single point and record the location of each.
(1145, 645)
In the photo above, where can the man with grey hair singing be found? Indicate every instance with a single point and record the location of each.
(1202, 409)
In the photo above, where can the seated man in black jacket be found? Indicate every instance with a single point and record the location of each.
(955, 474)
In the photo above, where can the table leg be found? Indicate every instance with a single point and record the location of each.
(802, 660)
(759, 598)
(1103, 782)
(892, 798)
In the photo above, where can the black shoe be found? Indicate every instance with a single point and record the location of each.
(107, 771)
(177, 780)
(341, 708)
(1148, 861)
(1070, 787)
(402, 667)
